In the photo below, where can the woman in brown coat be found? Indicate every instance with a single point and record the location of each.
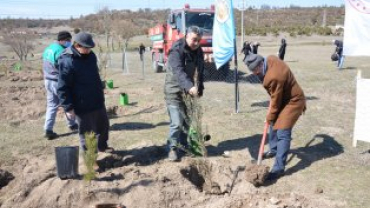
(286, 105)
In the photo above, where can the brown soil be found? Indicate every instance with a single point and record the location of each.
(256, 174)
(22, 103)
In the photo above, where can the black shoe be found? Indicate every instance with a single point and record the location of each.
(50, 135)
(272, 176)
(173, 155)
(74, 127)
(267, 155)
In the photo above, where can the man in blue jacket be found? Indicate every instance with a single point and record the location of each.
(80, 90)
(184, 78)
(51, 73)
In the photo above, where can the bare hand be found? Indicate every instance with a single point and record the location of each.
(71, 115)
(193, 91)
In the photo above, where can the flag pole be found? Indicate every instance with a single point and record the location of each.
(236, 78)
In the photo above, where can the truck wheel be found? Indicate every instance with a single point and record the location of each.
(156, 67)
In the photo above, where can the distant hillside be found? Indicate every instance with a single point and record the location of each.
(294, 19)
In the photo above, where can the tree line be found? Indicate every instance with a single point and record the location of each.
(119, 26)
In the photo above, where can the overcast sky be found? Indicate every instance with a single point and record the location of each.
(65, 9)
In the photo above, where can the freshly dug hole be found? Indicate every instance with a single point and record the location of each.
(204, 175)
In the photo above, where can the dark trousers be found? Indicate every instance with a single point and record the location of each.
(97, 122)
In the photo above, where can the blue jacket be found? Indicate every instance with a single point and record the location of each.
(79, 84)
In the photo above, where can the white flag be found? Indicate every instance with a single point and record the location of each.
(356, 40)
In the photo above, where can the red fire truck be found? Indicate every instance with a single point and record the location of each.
(164, 35)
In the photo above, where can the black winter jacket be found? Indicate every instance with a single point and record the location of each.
(79, 84)
(339, 48)
(182, 63)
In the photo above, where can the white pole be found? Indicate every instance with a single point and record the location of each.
(242, 27)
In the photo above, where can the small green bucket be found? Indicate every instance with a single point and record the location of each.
(123, 99)
(110, 84)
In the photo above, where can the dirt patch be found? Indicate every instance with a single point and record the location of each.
(22, 76)
(5, 178)
(256, 174)
(22, 103)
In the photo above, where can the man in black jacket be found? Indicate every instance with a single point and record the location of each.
(184, 78)
(339, 51)
(80, 90)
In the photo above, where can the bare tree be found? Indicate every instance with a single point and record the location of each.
(125, 30)
(21, 42)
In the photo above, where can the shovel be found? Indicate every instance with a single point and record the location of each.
(263, 141)
(262, 145)
(256, 174)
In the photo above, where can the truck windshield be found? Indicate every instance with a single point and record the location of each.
(203, 20)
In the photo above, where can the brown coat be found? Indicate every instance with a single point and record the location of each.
(287, 98)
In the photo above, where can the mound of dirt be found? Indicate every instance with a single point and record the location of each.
(256, 174)
(195, 182)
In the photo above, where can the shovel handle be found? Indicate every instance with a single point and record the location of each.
(263, 141)
(262, 145)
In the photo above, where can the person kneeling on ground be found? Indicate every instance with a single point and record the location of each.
(287, 103)
(80, 90)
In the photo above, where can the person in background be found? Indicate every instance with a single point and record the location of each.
(339, 51)
(282, 49)
(287, 103)
(255, 46)
(80, 90)
(246, 49)
(184, 78)
(51, 73)
(141, 51)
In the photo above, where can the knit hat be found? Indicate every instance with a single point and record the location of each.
(252, 61)
(85, 40)
(64, 35)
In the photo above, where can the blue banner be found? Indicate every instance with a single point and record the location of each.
(223, 32)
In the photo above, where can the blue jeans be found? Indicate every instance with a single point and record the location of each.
(52, 104)
(178, 126)
(279, 143)
(340, 61)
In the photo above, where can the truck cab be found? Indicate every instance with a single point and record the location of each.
(164, 35)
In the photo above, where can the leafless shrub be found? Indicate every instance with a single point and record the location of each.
(21, 42)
